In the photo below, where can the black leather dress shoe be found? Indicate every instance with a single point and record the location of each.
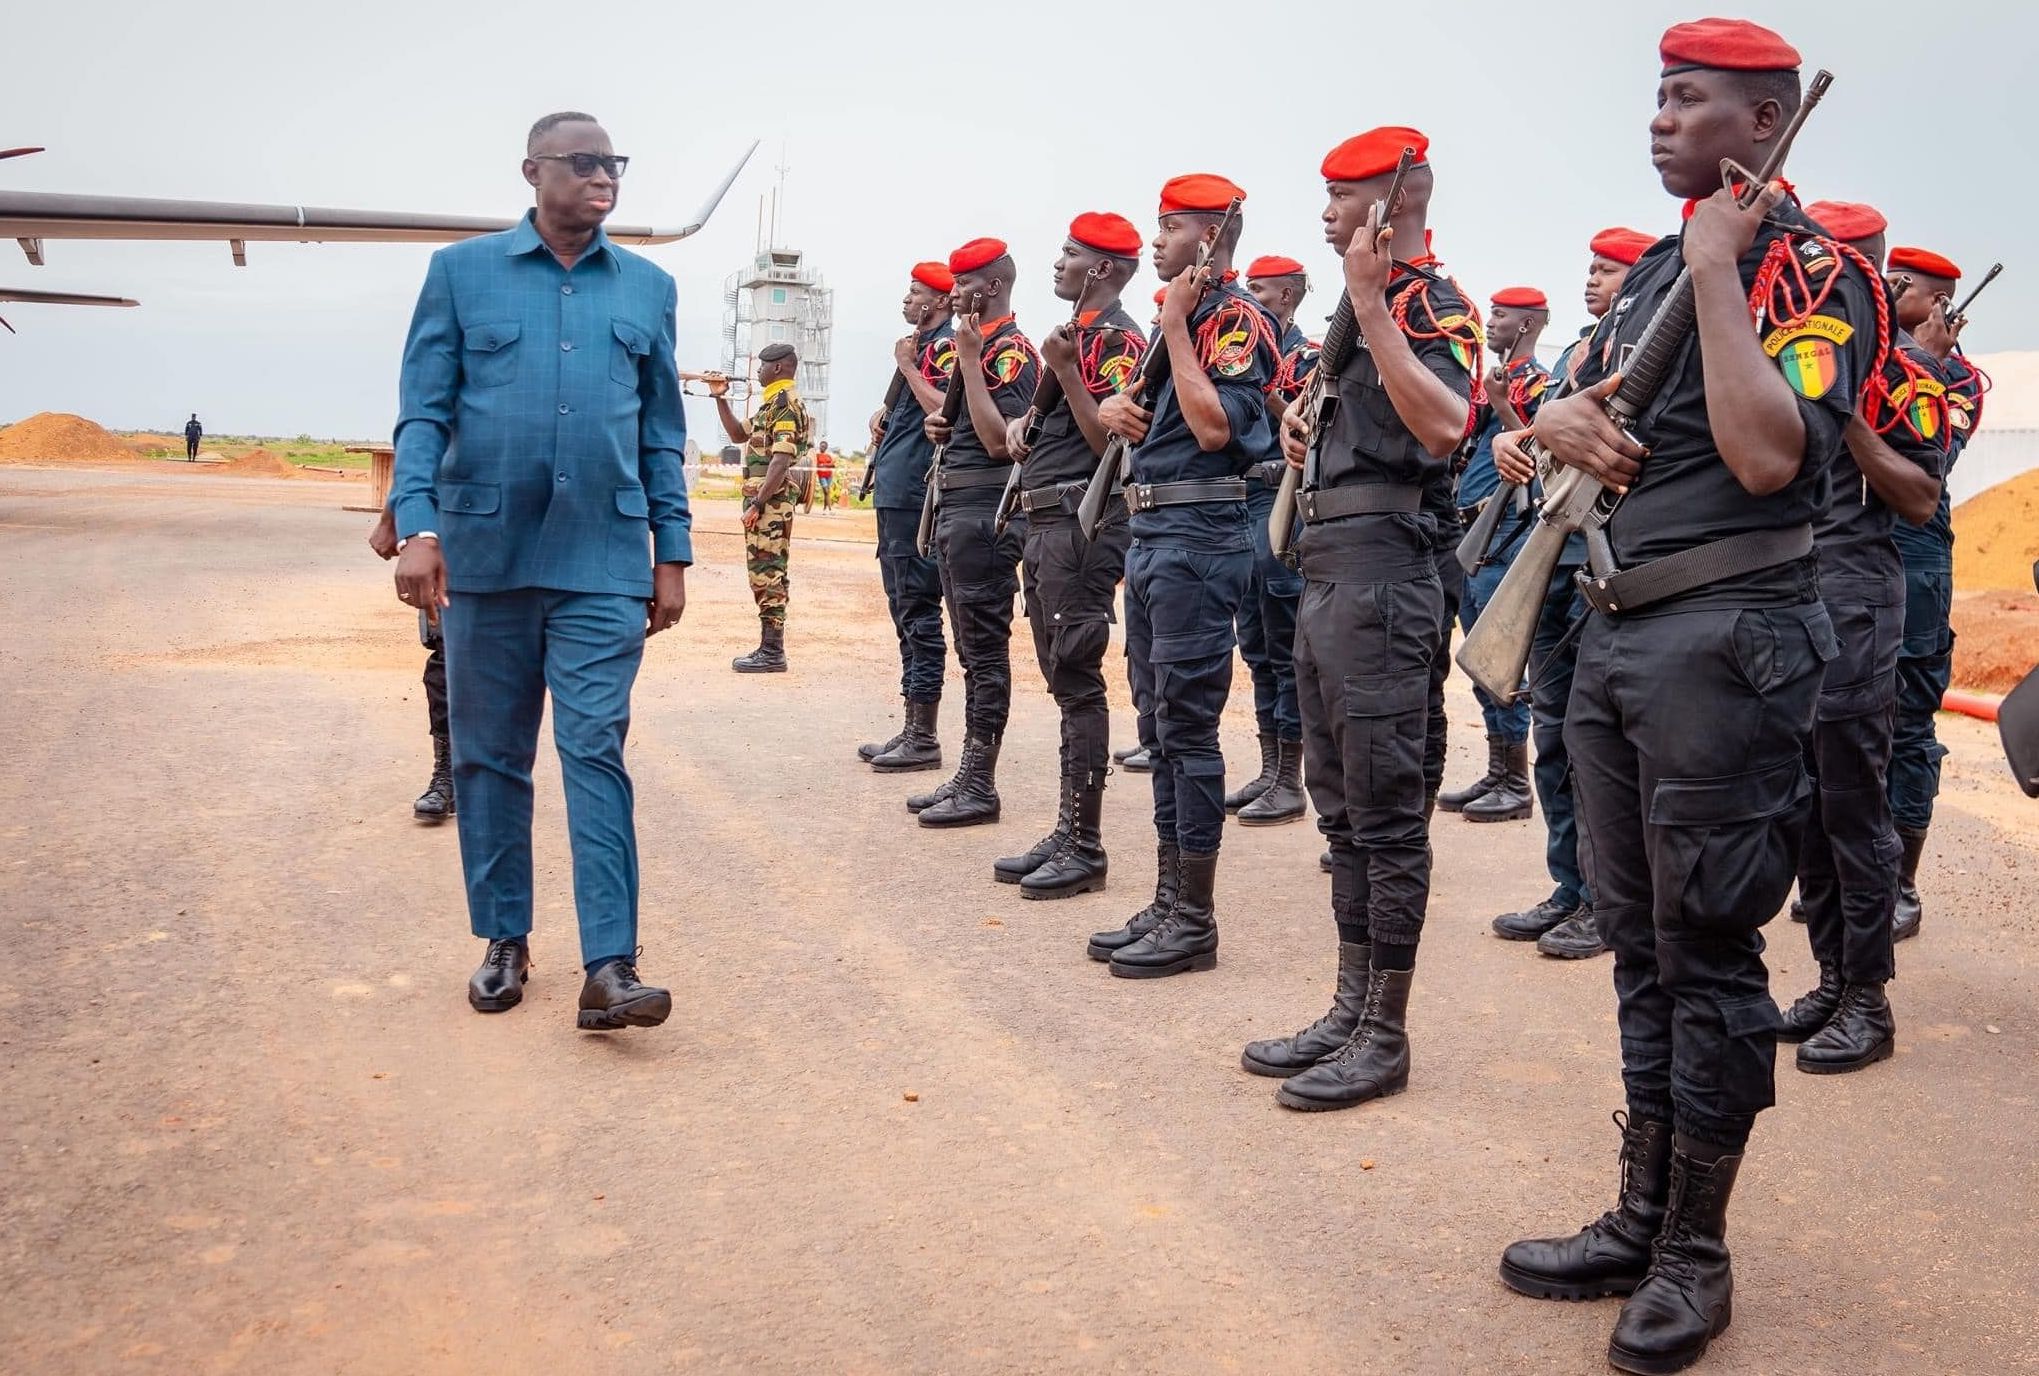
(614, 997)
(498, 985)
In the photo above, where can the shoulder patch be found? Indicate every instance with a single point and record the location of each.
(1230, 353)
(1924, 401)
(1008, 363)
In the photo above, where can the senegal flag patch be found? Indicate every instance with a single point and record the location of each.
(1009, 364)
(1808, 353)
(1923, 402)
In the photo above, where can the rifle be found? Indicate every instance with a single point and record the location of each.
(1496, 650)
(1047, 397)
(731, 384)
(1955, 313)
(1478, 541)
(892, 392)
(952, 411)
(1116, 460)
(1318, 400)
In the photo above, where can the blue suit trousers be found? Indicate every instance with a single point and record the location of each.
(504, 652)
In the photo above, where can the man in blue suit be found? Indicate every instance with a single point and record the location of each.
(540, 504)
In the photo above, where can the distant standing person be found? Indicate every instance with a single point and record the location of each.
(193, 433)
(539, 440)
(775, 440)
(824, 475)
(436, 803)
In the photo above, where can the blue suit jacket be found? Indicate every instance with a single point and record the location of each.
(541, 430)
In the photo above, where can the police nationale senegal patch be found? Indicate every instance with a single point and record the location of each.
(1924, 402)
(1808, 354)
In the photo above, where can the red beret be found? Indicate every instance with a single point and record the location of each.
(1107, 233)
(1924, 261)
(1523, 298)
(1621, 245)
(1273, 265)
(976, 254)
(1847, 220)
(1199, 193)
(936, 275)
(1160, 296)
(1374, 153)
(1731, 45)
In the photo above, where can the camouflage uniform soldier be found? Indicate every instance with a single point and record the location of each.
(775, 442)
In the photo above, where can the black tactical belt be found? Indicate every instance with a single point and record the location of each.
(1469, 514)
(1690, 569)
(1359, 499)
(1055, 496)
(954, 478)
(1147, 496)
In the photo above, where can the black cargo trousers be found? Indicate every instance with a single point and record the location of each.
(1071, 584)
(1687, 729)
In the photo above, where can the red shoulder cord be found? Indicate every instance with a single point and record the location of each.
(1783, 290)
(1091, 365)
(1260, 330)
(1467, 332)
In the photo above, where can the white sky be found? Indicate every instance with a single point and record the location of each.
(908, 130)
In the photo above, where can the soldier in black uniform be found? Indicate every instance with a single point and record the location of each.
(1190, 561)
(1267, 618)
(1072, 582)
(1372, 617)
(1563, 925)
(980, 568)
(913, 582)
(1698, 676)
(1848, 865)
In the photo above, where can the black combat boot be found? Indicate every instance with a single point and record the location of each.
(1186, 939)
(1509, 800)
(975, 801)
(770, 655)
(1373, 1063)
(1456, 800)
(436, 804)
(1610, 1255)
(1861, 1033)
(1910, 910)
(1011, 869)
(1281, 1057)
(1121, 756)
(1324, 862)
(1141, 761)
(1814, 1010)
(1578, 937)
(1531, 923)
(1080, 865)
(917, 747)
(871, 750)
(1167, 883)
(1687, 1298)
(1282, 800)
(1258, 784)
(946, 789)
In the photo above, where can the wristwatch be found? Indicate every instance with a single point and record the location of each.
(421, 535)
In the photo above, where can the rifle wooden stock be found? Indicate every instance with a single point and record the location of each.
(1496, 650)
(1479, 537)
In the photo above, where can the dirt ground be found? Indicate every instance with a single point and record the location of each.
(898, 1122)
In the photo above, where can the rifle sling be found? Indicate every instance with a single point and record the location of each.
(1688, 570)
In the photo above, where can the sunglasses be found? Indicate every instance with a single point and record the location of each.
(584, 164)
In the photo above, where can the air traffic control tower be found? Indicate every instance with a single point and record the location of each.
(778, 299)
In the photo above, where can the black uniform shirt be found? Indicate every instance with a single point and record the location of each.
(1929, 548)
(903, 454)
(1368, 443)
(1858, 560)
(1108, 351)
(1012, 369)
(1236, 343)
(1687, 496)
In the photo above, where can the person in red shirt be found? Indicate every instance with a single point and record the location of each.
(824, 475)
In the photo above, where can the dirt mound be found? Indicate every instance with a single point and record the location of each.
(147, 442)
(59, 435)
(1996, 638)
(260, 463)
(1996, 536)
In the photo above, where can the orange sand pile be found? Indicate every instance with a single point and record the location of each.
(1996, 536)
(61, 436)
(260, 463)
(1996, 638)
